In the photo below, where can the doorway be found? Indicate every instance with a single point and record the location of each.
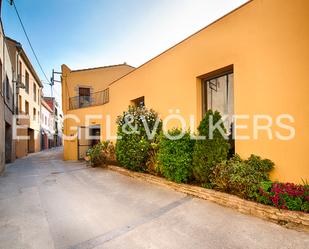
(8, 143)
(31, 142)
(88, 136)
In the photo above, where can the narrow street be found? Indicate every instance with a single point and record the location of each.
(48, 203)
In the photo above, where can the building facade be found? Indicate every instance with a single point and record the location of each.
(89, 89)
(47, 126)
(57, 120)
(253, 61)
(28, 100)
(7, 103)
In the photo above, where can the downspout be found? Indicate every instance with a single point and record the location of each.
(18, 80)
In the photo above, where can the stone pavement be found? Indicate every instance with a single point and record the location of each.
(48, 203)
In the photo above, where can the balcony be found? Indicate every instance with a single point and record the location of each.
(97, 98)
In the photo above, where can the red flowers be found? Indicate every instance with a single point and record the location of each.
(285, 195)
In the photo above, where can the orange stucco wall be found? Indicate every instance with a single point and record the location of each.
(267, 44)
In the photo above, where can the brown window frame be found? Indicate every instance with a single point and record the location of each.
(34, 114)
(26, 107)
(34, 91)
(138, 102)
(27, 78)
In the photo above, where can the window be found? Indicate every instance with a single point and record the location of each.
(7, 88)
(38, 95)
(20, 103)
(45, 120)
(27, 107)
(34, 114)
(20, 72)
(84, 96)
(27, 83)
(34, 91)
(139, 102)
(218, 95)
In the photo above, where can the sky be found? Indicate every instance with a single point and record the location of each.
(93, 33)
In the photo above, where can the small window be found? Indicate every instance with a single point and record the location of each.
(20, 72)
(26, 107)
(139, 102)
(27, 82)
(20, 103)
(34, 91)
(34, 114)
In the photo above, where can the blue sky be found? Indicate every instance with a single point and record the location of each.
(91, 33)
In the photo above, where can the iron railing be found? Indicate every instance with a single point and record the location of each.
(97, 98)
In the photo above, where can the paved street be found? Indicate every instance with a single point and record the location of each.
(48, 203)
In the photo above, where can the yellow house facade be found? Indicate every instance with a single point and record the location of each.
(253, 62)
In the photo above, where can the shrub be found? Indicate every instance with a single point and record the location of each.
(175, 156)
(132, 150)
(152, 162)
(241, 177)
(101, 153)
(285, 195)
(207, 153)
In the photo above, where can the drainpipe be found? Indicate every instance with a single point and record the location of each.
(17, 79)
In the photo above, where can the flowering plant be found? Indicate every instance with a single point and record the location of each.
(138, 128)
(285, 195)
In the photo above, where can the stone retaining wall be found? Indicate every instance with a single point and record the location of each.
(290, 219)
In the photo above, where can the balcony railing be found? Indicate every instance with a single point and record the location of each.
(97, 98)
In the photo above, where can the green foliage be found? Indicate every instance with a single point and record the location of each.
(210, 151)
(175, 156)
(133, 149)
(101, 153)
(241, 177)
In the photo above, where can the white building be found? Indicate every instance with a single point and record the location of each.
(47, 126)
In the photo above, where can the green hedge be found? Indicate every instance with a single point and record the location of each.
(175, 157)
(241, 177)
(133, 149)
(209, 152)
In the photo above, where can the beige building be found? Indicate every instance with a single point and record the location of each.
(28, 99)
(7, 104)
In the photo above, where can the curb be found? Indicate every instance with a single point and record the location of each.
(290, 219)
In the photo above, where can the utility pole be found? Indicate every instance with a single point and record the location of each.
(52, 81)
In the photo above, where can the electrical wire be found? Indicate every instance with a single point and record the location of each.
(34, 53)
